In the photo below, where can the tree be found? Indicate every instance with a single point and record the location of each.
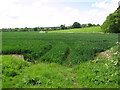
(76, 25)
(62, 27)
(47, 29)
(90, 25)
(93, 25)
(53, 28)
(84, 25)
(98, 24)
(112, 23)
(69, 27)
(35, 29)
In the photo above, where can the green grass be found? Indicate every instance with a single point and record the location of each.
(11, 67)
(35, 76)
(79, 30)
(100, 73)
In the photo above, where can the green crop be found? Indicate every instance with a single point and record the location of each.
(79, 30)
(31, 49)
(58, 54)
(58, 50)
(72, 48)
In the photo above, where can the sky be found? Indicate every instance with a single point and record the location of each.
(51, 13)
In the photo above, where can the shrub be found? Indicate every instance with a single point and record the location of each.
(112, 24)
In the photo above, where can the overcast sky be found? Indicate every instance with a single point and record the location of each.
(47, 13)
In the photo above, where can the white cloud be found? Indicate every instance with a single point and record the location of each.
(33, 13)
(38, 13)
(104, 7)
(107, 5)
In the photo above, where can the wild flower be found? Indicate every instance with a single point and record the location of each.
(117, 43)
(115, 53)
(106, 65)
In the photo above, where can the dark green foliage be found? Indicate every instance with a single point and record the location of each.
(98, 73)
(90, 25)
(84, 25)
(31, 49)
(41, 76)
(56, 47)
(63, 48)
(88, 50)
(112, 23)
(98, 24)
(62, 27)
(76, 25)
(35, 29)
(58, 54)
(12, 66)
(93, 25)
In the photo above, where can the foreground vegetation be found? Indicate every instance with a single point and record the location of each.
(98, 73)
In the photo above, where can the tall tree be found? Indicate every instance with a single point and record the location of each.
(84, 25)
(89, 25)
(76, 25)
(98, 24)
(62, 27)
(112, 23)
(35, 29)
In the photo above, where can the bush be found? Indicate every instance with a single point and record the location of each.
(76, 25)
(112, 24)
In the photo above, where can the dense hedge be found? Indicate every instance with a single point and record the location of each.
(112, 23)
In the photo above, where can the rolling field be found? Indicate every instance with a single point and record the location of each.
(58, 60)
(57, 47)
(80, 30)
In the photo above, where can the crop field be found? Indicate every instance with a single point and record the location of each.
(59, 48)
(51, 59)
(80, 30)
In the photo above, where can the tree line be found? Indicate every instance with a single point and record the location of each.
(112, 23)
(61, 27)
(78, 25)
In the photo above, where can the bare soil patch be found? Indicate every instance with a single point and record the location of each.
(18, 56)
(106, 54)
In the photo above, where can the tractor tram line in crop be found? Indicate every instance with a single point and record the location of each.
(75, 56)
(55, 59)
(83, 47)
